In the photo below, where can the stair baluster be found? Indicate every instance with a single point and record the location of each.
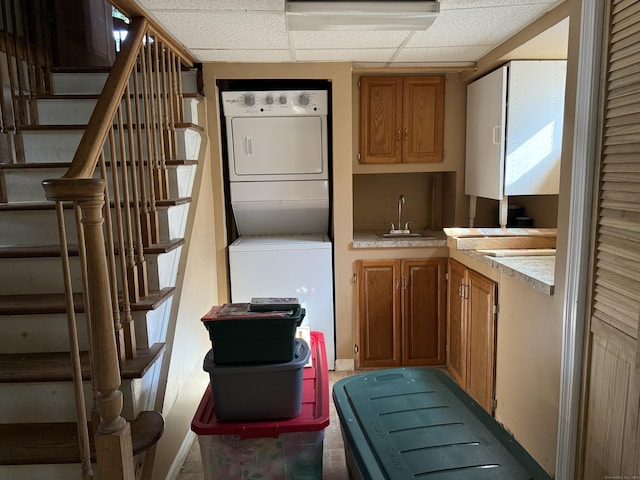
(72, 326)
(162, 178)
(136, 227)
(152, 152)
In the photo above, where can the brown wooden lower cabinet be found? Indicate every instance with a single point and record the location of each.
(401, 312)
(471, 332)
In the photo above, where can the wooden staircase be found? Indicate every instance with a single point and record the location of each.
(39, 434)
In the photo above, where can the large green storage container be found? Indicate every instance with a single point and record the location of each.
(409, 423)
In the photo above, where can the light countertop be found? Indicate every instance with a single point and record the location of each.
(535, 271)
(435, 238)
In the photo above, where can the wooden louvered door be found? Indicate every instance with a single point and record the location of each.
(611, 395)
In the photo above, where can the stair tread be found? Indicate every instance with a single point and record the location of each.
(50, 205)
(45, 165)
(57, 443)
(56, 366)
(43, 303)
(45, 251)
(95, 96)
(36, 128)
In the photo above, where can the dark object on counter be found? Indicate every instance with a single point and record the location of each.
(408, 423)
(522, 222)
(513, 212)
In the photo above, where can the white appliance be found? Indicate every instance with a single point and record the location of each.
(514, 132)
(278, 161)
(288, 266)
(279, 188)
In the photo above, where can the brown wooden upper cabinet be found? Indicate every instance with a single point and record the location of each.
(401, 312)
(402, 119)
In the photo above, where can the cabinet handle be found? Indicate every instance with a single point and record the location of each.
(496, 135)
(406, 134)
(398, 134)
(405, 282)
(398, 282)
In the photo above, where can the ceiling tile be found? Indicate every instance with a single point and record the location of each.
(239, 5)
(340, 39)
(485, 26)
(241, 30)
(254, 56)
(346, 55)
(455, 4)
(442, 54)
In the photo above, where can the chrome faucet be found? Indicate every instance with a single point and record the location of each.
(401, 202)
(398, 229)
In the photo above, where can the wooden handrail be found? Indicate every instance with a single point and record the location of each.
(86, 157)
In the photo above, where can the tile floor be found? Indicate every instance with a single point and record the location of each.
(333, 462)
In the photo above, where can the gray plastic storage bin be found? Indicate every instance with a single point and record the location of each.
(258, 391)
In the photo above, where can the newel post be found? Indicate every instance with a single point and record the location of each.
(113, 438)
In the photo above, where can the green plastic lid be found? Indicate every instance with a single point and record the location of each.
(417, 423)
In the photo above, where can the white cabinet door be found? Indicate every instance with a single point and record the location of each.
(486, 122)
(534, 127)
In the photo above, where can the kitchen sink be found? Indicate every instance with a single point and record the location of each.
(405, 235)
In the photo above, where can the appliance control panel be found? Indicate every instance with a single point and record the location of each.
(272, 103)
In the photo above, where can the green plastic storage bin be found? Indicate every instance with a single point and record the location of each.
(409, 423)
(254, 339)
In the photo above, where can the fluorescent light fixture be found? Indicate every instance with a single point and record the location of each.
(360, 15)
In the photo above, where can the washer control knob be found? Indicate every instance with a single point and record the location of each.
(303, 99)
(249, 100)
(283, 99)
(269, 100)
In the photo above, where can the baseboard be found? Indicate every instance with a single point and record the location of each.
(344, 364)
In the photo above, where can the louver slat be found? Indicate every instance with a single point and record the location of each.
(617, 267)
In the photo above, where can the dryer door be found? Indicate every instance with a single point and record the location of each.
(277, 148)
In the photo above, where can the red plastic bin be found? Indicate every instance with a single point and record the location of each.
(276, 450)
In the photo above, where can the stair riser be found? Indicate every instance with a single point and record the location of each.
(40, 226)
(49, 333)
(70, 83)
(43, 472)
(55, 402)
(60, 145)
(44, 275)
(71, 111)
(25, 184)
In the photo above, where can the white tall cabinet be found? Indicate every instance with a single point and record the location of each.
(514, 132)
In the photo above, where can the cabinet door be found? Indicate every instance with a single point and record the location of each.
(423, 119)
(456, 324)
(379, 313)
(380, 119)
(481, 301)
(423, 304)
(485, 137)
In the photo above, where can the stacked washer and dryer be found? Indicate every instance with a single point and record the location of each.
(278, 157)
